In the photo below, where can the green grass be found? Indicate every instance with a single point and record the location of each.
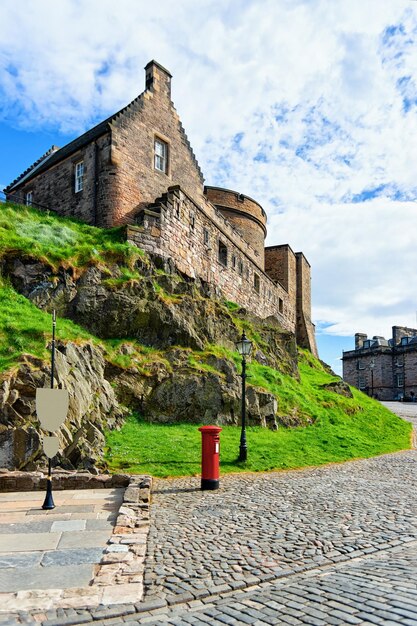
(368, 429)
(335, 428)
(26, 231)
(26, 329)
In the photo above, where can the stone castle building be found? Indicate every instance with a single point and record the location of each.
(385, 369)
(137, 169)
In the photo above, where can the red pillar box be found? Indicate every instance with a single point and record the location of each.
(210, 457)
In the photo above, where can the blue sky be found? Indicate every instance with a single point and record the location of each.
(308, 106)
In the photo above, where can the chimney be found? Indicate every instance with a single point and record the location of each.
(158, 79)
(359, 339)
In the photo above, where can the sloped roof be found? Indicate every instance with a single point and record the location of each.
(55, 154)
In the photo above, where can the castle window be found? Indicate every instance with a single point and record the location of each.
(240, 267)
(361, 365)
(280, 305)
(79, 176)
(362, 382)
(247, 273)
(222, 254)
(29, 198)
(206, 237)
(256, 282)
(161, 156)
(192, 221)
(400, 380)
(234, 262)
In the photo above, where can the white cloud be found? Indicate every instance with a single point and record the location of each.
(307, 105)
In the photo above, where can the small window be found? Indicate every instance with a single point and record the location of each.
(161, 156)
(280, 305)
(222, 254)
(399, 362)
(361, 365)
(256, 282)
(192, 221)
(234, 262)
(362, 382)
(400, 380)
(240, 268)
(404, 341)
(79, 176)
(206, 236)
(367, 344)
(29, 198)
(247, 273)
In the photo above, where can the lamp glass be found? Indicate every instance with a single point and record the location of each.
(244, 346)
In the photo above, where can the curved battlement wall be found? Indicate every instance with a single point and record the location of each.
(246, 215)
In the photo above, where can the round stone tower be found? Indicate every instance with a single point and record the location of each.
(245, 214)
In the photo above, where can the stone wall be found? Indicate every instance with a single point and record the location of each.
(357, 372)
(388, 363)
(305, 329)
(138, 182)
(55, 187)
(246, 215)
(176, 228)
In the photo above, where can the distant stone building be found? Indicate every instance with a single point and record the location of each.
(137, 169)
(385, 369)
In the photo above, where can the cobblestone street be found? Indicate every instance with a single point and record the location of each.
(259, 528)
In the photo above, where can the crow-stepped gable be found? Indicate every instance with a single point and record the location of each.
(137, 169)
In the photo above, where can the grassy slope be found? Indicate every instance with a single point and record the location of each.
(343, 429)
(340, 428)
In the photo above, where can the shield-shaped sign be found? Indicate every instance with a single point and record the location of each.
(50, 446)
(52, 407)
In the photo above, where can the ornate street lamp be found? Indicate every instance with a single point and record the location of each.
(244, 347)
(372, 365)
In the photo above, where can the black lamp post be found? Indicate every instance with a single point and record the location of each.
(49, 500)
(372, 365)
(244, 347)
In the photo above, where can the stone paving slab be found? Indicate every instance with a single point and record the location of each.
(21, 559)
(31, 542)
(25, 527)
(71, 556)
(53, 577)
(83, 539)
(73, 564)
(68, 525)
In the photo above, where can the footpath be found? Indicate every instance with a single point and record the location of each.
(321, 546)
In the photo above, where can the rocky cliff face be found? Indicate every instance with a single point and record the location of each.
(158, 308)
(93, 407)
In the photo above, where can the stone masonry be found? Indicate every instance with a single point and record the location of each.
(139, 170)
(386, 369)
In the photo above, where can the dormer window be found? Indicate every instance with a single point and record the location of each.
(79, 176)
(161, 155)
